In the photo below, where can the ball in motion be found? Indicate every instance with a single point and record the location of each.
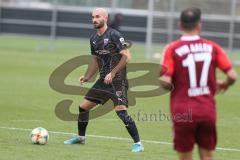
(39, 136)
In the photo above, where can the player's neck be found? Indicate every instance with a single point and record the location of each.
(191, 33)
(100, 31)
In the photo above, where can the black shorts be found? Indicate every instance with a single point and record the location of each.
(100, 92)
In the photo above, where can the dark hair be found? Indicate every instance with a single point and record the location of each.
(190, 17)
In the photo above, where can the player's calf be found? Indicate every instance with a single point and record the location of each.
(132, 130)
(83, 118)
(82, 126)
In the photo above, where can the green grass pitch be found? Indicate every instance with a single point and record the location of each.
(27, 102)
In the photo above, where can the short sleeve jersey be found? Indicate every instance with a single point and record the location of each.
(191, 62)
(107, 48)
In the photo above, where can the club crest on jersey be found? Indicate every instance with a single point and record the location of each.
(119, 93)
(105, 41)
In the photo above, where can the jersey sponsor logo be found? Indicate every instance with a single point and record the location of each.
(103, 52)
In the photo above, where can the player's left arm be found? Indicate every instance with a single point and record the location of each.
(126, 57)
(224, 63)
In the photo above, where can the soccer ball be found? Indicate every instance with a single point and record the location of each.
(39, 136)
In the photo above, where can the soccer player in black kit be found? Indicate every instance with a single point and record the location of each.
(110, 57)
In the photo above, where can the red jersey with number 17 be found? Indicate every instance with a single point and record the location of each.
(191, 62)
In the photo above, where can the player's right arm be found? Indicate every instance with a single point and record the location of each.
(92, 69)
(166, 68)
(224, 64)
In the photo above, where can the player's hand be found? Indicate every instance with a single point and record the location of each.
(109, 77)
(222, 86)
(83, 79)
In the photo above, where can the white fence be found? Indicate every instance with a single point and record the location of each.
(151, 21)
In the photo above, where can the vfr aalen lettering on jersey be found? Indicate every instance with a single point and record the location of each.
(196, 52)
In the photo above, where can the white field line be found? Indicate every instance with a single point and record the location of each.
(27, 120)
(116, 138)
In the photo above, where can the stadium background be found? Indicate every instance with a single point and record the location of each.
(36, 36)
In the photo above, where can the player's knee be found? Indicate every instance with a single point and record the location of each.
(83, 107)
(207, 158)
(87, 105)
(83, 115)
(123, 115)
(120, 108)
(185, 158)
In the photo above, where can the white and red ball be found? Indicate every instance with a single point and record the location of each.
(39, 136)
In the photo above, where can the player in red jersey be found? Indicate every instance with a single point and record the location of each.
(191, 64)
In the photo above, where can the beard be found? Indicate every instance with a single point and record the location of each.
(98, 25)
